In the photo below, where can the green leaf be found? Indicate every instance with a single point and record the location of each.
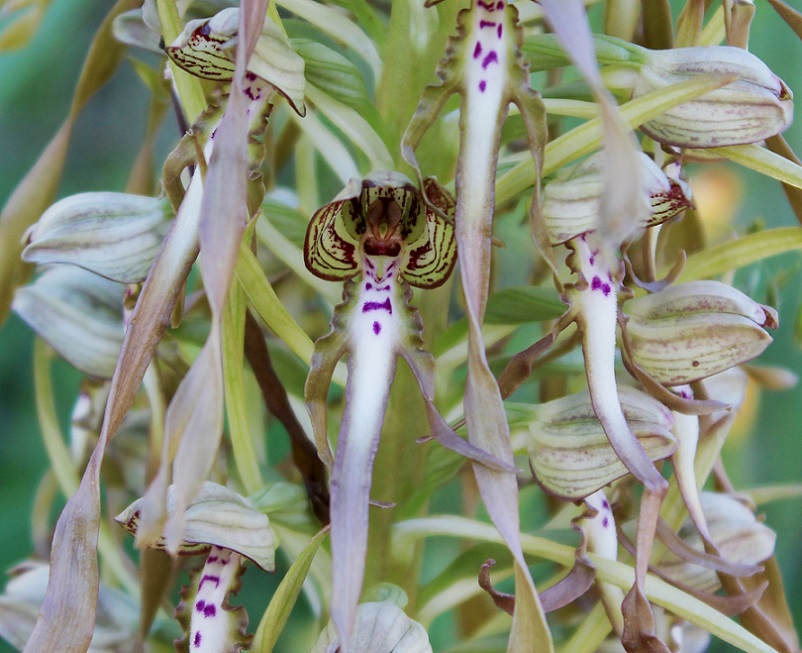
(278, 612)
(332, 73)
(269, 307)
(763, 161)
(736, 254)
(343, 29)
(523, 304)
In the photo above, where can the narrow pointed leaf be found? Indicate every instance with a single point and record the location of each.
(278, 611)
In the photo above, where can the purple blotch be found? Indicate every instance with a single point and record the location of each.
(200, 605)
(387, 287)
(377, 328)
(482, 86)
(592, 259)
(212, 559)
(477, 51)
(378, 306)
(486, 23)
(486, 5)
(500, 5)
(197, 641)
(597, 284)
(605, 504)
(500, 30)
(491, 57)
(209, 610)
(368, 286)
(211, 579)
(605, 522)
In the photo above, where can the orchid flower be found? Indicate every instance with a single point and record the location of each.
(380, 237)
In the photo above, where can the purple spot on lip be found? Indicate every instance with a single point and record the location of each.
(368, 286)
(605, 505)
(200, 605)
(378, 306)
(482, 86)
(486, 23)
(477, 51)
(500, 5)
(597, 284)
(605, 522)
(377, 328)
(592, 259)
(212, 559)
(500, 30)
(197, 641)
(211, 579)
(486, 5)
(491, 57)
(209, 611)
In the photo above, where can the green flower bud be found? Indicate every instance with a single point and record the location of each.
(755, 106)
(569, 451)
(688, 332)
(216, 517)
(115, 235)
(79, 314)
(739, 538)
(572, 201)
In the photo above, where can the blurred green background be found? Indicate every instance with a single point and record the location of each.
(35, 89)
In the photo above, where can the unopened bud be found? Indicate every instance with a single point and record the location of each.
(569, 451)
(756, 105)
(572, 201)
(115, 235)
(738, 536)
(219, 517)
(688, 332)
(79, 314)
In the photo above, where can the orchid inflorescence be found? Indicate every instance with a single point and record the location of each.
(631, 351)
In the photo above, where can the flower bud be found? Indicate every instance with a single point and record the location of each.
(739, 538)
(569, 451)
(572, 201)
(205, 48)
(79, 314)
(688, 332)
(115, 235)
(756, 105)
(216, 517)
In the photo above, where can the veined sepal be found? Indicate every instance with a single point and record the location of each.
(115, 235)
(78, 313)
(690, 331)
(739, 538)
(572, 201)
(755, 105)
(216, 517)
(569, 452)
(205, 49)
